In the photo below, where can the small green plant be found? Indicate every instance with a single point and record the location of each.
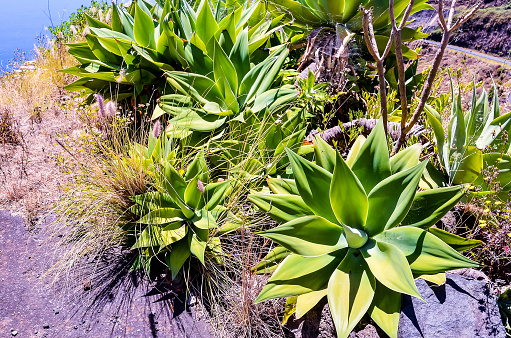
(474, 142)
(181, 217)
(357, 232)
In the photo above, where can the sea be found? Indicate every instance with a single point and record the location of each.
(23, 21)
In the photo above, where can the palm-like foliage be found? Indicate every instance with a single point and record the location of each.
(357, 232)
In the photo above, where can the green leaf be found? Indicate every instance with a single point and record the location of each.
(239, 55)
(355, 149)
(391, 199)
(347, 196)
(385, 309)
(305, 302)
(437, 278)
(200, 87)
(95, 23)
(350, 292)
(199, 168)
(197, 246)
(308, 236)
(162, 216)
(215, 193)
(168, 237)
(179, 254)
(205, 221)
(289, 309)
(297, 275)
(143, 28)
(282, 186)
(175, 186)
(406, 158)
(198, 121)
(457, 133)
(313, 183)
(372, 163)
(270, 262)
(458, 243)
(273, 99)
(193, 196)
(281, 207)
(426, 253)
(477, 117)
(435, 121)
(470, 166)
(390, 267)
(429, 206)
(147, 238)
(205, 25)
(324, 154)
(224, 71)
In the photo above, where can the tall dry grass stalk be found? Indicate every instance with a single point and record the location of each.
(34, 86)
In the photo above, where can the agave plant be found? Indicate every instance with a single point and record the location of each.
(181, 218)
(357, 232)
(336, 23)
(474, 142)
(203, 104)
(143, 41)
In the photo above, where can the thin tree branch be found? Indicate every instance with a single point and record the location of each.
(426, 89)
(400, 60)
(370, 40)
(461, 20)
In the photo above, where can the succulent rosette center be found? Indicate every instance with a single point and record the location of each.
(357, 231)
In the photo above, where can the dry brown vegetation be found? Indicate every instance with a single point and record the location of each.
(35, 111)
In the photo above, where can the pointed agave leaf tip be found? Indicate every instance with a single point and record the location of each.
(101, 105)
(200, 186)
(157, 129)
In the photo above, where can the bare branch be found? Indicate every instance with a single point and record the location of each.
(451, 13)
(426, 89)
(407, 14)
(441, 15)
(461, 20)
(369, 33)
(370, 40)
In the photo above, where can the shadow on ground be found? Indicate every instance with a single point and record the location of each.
(116, 303)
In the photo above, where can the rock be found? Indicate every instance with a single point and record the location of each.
(14, 333)
(462, 307)
(46, 326)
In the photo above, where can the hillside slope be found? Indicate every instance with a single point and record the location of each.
(489, 30)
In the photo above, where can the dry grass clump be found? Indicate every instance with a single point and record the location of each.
(9, 129)
(34, 86)
(95, 203)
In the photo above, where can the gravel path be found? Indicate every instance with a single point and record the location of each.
(30, 308)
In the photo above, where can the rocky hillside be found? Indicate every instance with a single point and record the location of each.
(489, 30)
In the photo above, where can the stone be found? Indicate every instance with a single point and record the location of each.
(462, 307)
(14, 333)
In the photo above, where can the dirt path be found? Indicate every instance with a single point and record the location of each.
(30, 307)
(471, 52)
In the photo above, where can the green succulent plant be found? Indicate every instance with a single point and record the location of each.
(473, 143)
(357, 232)
(143, 41)
(181, 218)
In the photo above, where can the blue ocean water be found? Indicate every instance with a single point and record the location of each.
(21, 21)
